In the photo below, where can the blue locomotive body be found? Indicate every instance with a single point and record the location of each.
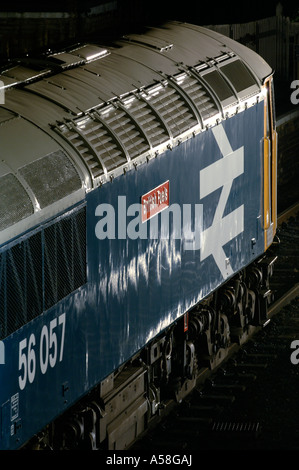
(106, 275)
(145, 284)
(135, 288)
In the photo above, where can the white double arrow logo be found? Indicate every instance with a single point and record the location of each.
(221, 174)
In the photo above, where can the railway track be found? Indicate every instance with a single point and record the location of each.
(250, 401)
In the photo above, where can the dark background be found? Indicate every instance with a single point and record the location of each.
(20, 34)
(31, 28)
(186, 10)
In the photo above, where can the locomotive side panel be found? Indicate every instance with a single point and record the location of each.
(137, 287)
(44, 361)
(145, 275)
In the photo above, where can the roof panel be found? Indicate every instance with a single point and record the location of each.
(186, 44)
(254, 61)
(20, 73)
(240, 77)
(33, 107)
(98, 109)
(123, 72)
(149, 41)
(5, 115)
(220, 87)
(67, 91)
(29, 145)
(148, 57)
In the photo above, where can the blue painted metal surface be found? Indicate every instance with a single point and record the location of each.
(144, 285)
(137, 287)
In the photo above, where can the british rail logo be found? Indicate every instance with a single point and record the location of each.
(114, 223)
(2, 97)
(295, 93)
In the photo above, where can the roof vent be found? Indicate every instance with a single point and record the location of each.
(79, 56)
(147, 41)
(89, 52)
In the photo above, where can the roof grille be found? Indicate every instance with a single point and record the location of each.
(78, 141)
(108, 153)
(51, 177)
(172, 108)
(125, 129)
(106, 138)
(14, 197)
(147, 119)
(198, 94)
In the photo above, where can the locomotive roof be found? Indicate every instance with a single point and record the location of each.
(80, 117)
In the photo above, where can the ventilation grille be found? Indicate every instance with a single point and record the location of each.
(198, 94)
(118, 132)
(51, 178)
(172, 108)
(126, 131)
(78, 141)
(147, 119)
(28, 286)
(15, 203)
(65, 259)
(106, 139)
(105, 146)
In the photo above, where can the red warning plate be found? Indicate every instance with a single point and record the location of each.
(155, 201)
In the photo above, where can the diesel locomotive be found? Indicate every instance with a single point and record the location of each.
(137, 215)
